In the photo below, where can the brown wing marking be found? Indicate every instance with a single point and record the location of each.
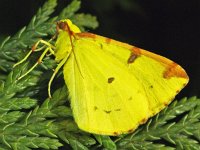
(86, 35)
(135, 53)
(172, 69)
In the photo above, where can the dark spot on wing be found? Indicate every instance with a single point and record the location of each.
(95, 107)
(130, 130)
(144, 120)
(154, 113)
(101, 45)
(130, 98)
(118, 109)
(115, 133)
(184, 84)
(107, 111)
(151, 86)
(111, 79)
(132, 58)
(165, 103)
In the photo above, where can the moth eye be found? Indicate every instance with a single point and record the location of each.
(62, 25)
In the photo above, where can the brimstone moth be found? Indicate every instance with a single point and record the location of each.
(113, 86)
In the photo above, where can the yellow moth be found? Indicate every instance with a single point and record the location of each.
(113, 86)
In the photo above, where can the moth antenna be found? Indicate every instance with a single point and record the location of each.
(70, 37)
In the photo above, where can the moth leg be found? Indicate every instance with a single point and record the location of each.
(55, 72)
(45, 43)
(34, 49)
(38, 62)
(23, 60)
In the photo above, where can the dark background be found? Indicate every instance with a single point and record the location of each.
(168, 27)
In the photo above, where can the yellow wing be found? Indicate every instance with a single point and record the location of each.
(114, 86)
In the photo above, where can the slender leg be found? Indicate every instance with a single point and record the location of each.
(38, 62)
(36, 50)
(23, 60)
(46, 43)
(55, 72)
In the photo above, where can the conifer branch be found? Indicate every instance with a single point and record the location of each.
(177, 126)
(12, 48)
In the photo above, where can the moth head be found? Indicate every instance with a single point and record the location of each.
(67, 25)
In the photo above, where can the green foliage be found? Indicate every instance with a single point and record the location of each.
(39, 27)
(176, 127)
(25, 37)
(30, 121)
